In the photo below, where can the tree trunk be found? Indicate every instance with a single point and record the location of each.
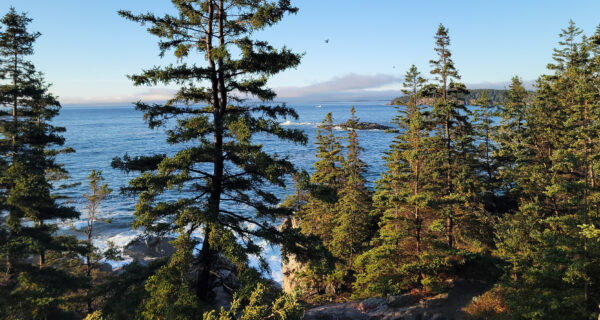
(417, 214)
(449, 219)
(214, 201)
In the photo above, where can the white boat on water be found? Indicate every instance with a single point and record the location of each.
(318, 106)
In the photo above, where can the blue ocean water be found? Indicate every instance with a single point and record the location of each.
(98, 134)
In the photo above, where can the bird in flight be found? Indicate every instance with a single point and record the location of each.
(326, 40)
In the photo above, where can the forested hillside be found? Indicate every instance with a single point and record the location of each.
(503, 195)
(495, 96)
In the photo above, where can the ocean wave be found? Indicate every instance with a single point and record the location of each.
(291, 123)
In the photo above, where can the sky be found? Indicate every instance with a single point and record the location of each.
(87, 50)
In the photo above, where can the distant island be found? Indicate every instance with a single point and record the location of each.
(357, 126)
(496, 97)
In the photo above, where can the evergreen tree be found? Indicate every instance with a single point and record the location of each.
(554, 172)
(509, 139)
(28, 146)
(485, 129)
(404, 201)
(353, 225)
(222, 171)
(317, 215)
(454, 136)
(443, 67)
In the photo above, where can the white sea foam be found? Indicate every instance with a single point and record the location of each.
(291, 123)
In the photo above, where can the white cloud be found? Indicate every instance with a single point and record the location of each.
(346, 83)
(150, 95)
(349, 88)
(356, 87)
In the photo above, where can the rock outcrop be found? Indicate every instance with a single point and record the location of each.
(446, 306)
(290, 266)
(359, 126)
(148, 248)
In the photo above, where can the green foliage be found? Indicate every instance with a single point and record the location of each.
(404, 203)
(316, 216)
(483, 116)
(352, 224)
(495, 96)
(170, 293)
(122, 294)
(37, 280)
(553, 263)
(259, 307)
(224, 172)
(96, 315)
(336, 210)
(453, 140)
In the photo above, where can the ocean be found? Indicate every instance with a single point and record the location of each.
(98, 134)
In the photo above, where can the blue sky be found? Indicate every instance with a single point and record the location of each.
(87, 50)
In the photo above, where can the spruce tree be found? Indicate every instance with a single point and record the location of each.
(223, 172)
(509, 139)
(454, 137)
(404, 201)
(317, 215)
(35, 282)
(554, 171)
(485, 129)
(352, 223)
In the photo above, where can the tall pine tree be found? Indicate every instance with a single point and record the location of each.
(34, 282)
(509, 138)
(317, 215)
(403, 200)
(555, 165)
(483, 117)
(221, 169)
(352, 222)
(454, 136)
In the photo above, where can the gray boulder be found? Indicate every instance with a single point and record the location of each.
(335, 312)
(401, 301)
(149, 247)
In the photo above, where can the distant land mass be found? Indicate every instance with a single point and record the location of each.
(495, 95)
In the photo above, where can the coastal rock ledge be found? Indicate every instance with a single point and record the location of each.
(445, 306)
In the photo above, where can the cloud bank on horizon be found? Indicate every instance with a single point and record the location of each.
(349, 88)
